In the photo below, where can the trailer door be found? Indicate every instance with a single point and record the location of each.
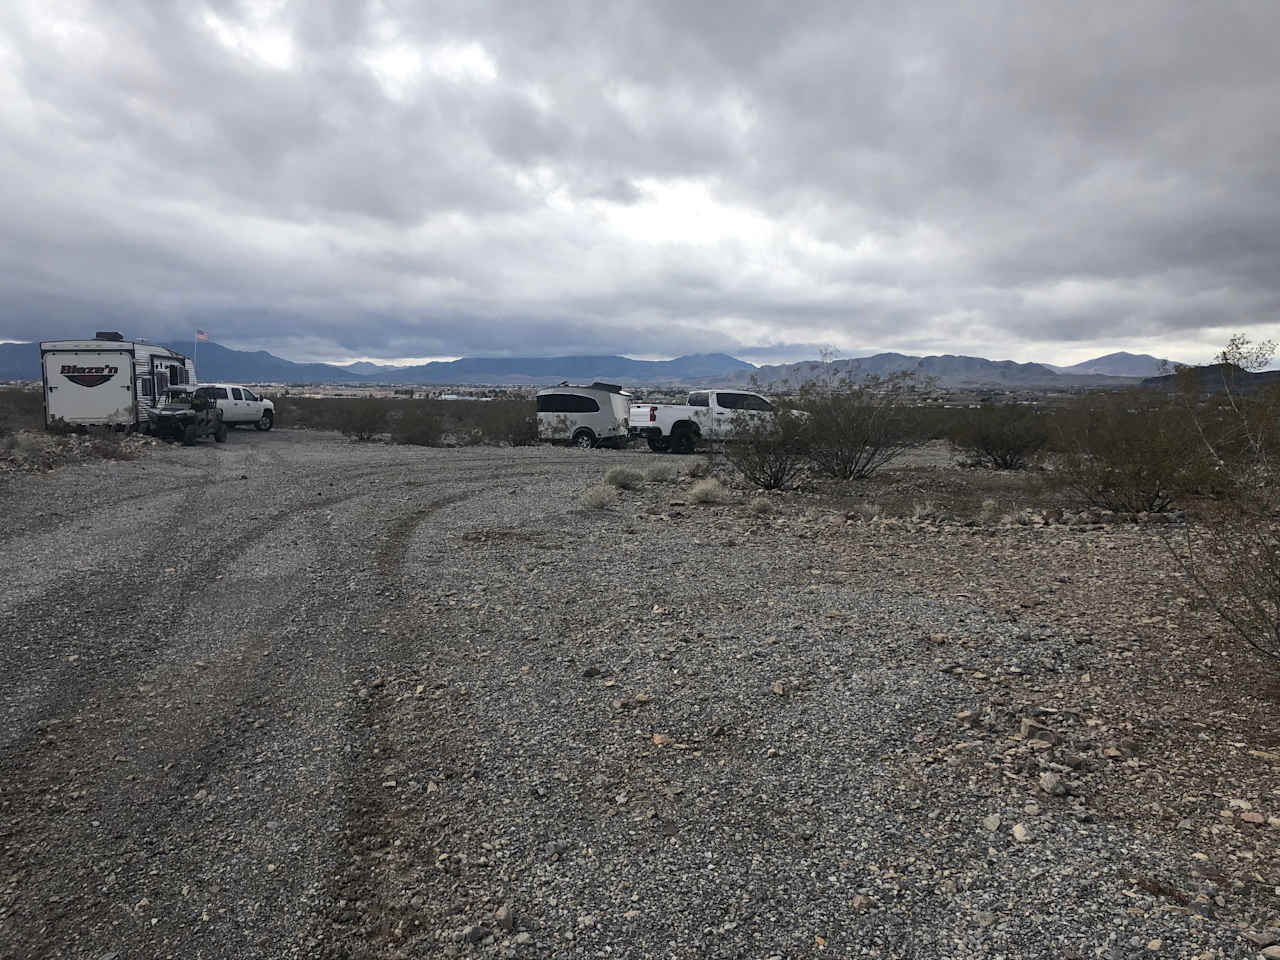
(89, 386)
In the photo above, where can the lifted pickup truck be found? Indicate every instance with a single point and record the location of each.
(709, 415)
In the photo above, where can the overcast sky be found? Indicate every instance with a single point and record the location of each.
(348, 179)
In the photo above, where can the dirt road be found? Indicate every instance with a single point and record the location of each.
(294, 696)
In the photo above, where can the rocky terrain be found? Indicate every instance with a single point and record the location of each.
(294, 696)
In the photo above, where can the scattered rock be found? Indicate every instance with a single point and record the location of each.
(1021, 833)
(1051, 784)
(992, 823)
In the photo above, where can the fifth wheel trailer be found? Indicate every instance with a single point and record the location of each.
(108, 381)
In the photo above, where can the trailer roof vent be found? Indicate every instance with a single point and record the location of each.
(108, 335)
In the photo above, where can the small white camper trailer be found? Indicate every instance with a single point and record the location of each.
(590, 416)
(108, 381)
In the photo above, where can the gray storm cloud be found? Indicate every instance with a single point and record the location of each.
(383, 179)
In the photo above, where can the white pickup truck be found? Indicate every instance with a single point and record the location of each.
(709, 415)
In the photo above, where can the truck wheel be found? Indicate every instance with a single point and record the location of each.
(265, 421)
(659, 444)
(683, 441)
(584, 439)
(221, 433)
(189, 435)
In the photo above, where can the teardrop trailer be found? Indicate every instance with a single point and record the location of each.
(109, 381)
(585, 416)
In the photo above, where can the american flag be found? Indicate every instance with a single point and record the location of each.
(201, 335)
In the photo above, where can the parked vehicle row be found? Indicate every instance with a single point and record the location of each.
(132, 385)
(601, 414)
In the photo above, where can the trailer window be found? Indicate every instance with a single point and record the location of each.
(566, 403)
(146, 387)
(699, 399)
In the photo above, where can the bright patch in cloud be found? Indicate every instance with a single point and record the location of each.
(268, 45)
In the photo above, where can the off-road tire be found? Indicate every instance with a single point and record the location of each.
(683, 441)
(265, 421)
(189, 435)
(584, 439)
(659, 444)
(220, 434)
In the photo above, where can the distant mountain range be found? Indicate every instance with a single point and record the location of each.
(214, 362)
(21, 361)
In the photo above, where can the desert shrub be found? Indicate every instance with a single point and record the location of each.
(510, 422)
(1231, 548)
(599, 497)
(857, 427)
(698, 468)
(20, 409)
(760, 507)
(418, 427)
(1133, 451)
(708, 490)
(1003, 436)
(661, 473)
(623, 478)
(362, 418)
(769, 451)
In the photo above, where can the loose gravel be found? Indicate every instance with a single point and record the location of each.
(295, 696)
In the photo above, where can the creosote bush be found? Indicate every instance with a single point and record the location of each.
(623, 478)
(769, 450)
(1231, 547)
(855, 428)
(1134, 451)
(503, 421)
(1001, 436)
(599, 497)
(363, 418)
(417, 427)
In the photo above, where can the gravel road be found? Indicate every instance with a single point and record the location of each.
(294, 696)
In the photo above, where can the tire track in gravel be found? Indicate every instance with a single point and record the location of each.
(135, 804)
(39, 616)
(153, 815)
(365, 904)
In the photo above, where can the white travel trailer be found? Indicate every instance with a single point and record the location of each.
(593, 416)
(108, 381)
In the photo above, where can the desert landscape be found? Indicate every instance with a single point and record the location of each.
(307, 697)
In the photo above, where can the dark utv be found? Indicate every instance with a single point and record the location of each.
(188, 415)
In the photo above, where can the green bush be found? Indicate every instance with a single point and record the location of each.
(1003, 437)
(363, 418)
(20, 409)
(508, 421)
(768, 450)
(1133, 451)
(417, 427)
(1231, 547)
(855, 428)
